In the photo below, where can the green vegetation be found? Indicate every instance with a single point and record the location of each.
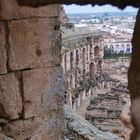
(108, 54)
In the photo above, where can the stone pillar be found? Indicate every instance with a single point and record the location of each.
(31, 105)
(83, 95)
(78, 103)
(70, 99)
(134, 81)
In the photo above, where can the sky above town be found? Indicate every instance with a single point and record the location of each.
(96, 9)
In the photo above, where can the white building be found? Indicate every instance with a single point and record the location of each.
(119, 47)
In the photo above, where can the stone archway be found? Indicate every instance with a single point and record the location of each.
(71, 59)
(83, 57)
(92, 70)
(84, 74)
(96, 51)
(65, 63)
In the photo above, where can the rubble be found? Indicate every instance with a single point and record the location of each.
(80, 129)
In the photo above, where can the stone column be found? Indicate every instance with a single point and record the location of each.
(134, 80)
(31, 105)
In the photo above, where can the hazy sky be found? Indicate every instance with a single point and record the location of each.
(89, 9)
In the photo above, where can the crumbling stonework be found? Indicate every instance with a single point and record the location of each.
(10, 97)
(78, 128)
(19, 13)
(31, 92)
(82, 57)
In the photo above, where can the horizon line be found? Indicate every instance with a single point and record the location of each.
(103, 12)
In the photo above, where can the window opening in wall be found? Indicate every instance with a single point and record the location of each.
(100, 55)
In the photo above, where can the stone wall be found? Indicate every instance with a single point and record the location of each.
(77, 128)
(26, 65)
(30, 72)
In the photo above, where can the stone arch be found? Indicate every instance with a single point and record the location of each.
(65, 62)
(100, 65)
(71, 80)
(77, 57)
(97, 51)
(92, 70)
(117, 48)
(71, 60)
(83, 57)
(84, 74)
(112, 48)
(76, 76)
(122, 48)
(128, 48)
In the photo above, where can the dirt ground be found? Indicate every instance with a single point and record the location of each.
(125, 117)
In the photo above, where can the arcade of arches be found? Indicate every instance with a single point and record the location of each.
(84, 72)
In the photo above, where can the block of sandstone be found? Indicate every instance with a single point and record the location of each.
(46, 127)
(10, 97)
(34, 43)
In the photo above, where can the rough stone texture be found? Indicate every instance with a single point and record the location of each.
(3, 55)
(10, 98)
(31, 93)
(34, 43)
(46, 127)
(81, 129)
(11, 10)
(20, 129)
(45, 92)
(3, 137)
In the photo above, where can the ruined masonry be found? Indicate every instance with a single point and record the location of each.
(35, 59)
(30, 73)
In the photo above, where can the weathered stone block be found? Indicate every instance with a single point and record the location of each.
(3, 137)
(10, 98)
(3, 55)
(11, 10)
(34, 43)
(21, 129)
(43, 91)
(47, 127)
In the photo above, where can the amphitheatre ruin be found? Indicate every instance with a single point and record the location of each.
(55, 83)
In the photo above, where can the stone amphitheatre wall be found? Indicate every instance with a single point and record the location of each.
(30, 73)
